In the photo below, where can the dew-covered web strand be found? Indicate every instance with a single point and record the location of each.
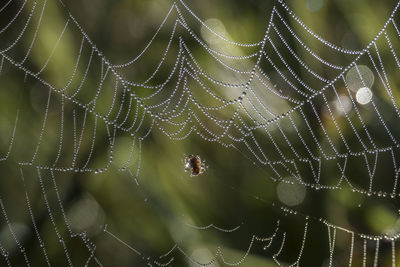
(14, 18)
(190, 68)
(6, 156)
(23, 29)
(37, 233)
(5, 5)
(12, 232)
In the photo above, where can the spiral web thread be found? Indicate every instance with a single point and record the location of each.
(239, 107)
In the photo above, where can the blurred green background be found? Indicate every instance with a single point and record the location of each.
(73, 216)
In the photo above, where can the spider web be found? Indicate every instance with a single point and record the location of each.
(73, 188)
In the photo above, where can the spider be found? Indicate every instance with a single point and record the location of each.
(195, 165)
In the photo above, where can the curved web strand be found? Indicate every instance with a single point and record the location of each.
(250, 97)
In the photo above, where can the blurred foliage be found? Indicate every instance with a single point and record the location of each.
(153, 217)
